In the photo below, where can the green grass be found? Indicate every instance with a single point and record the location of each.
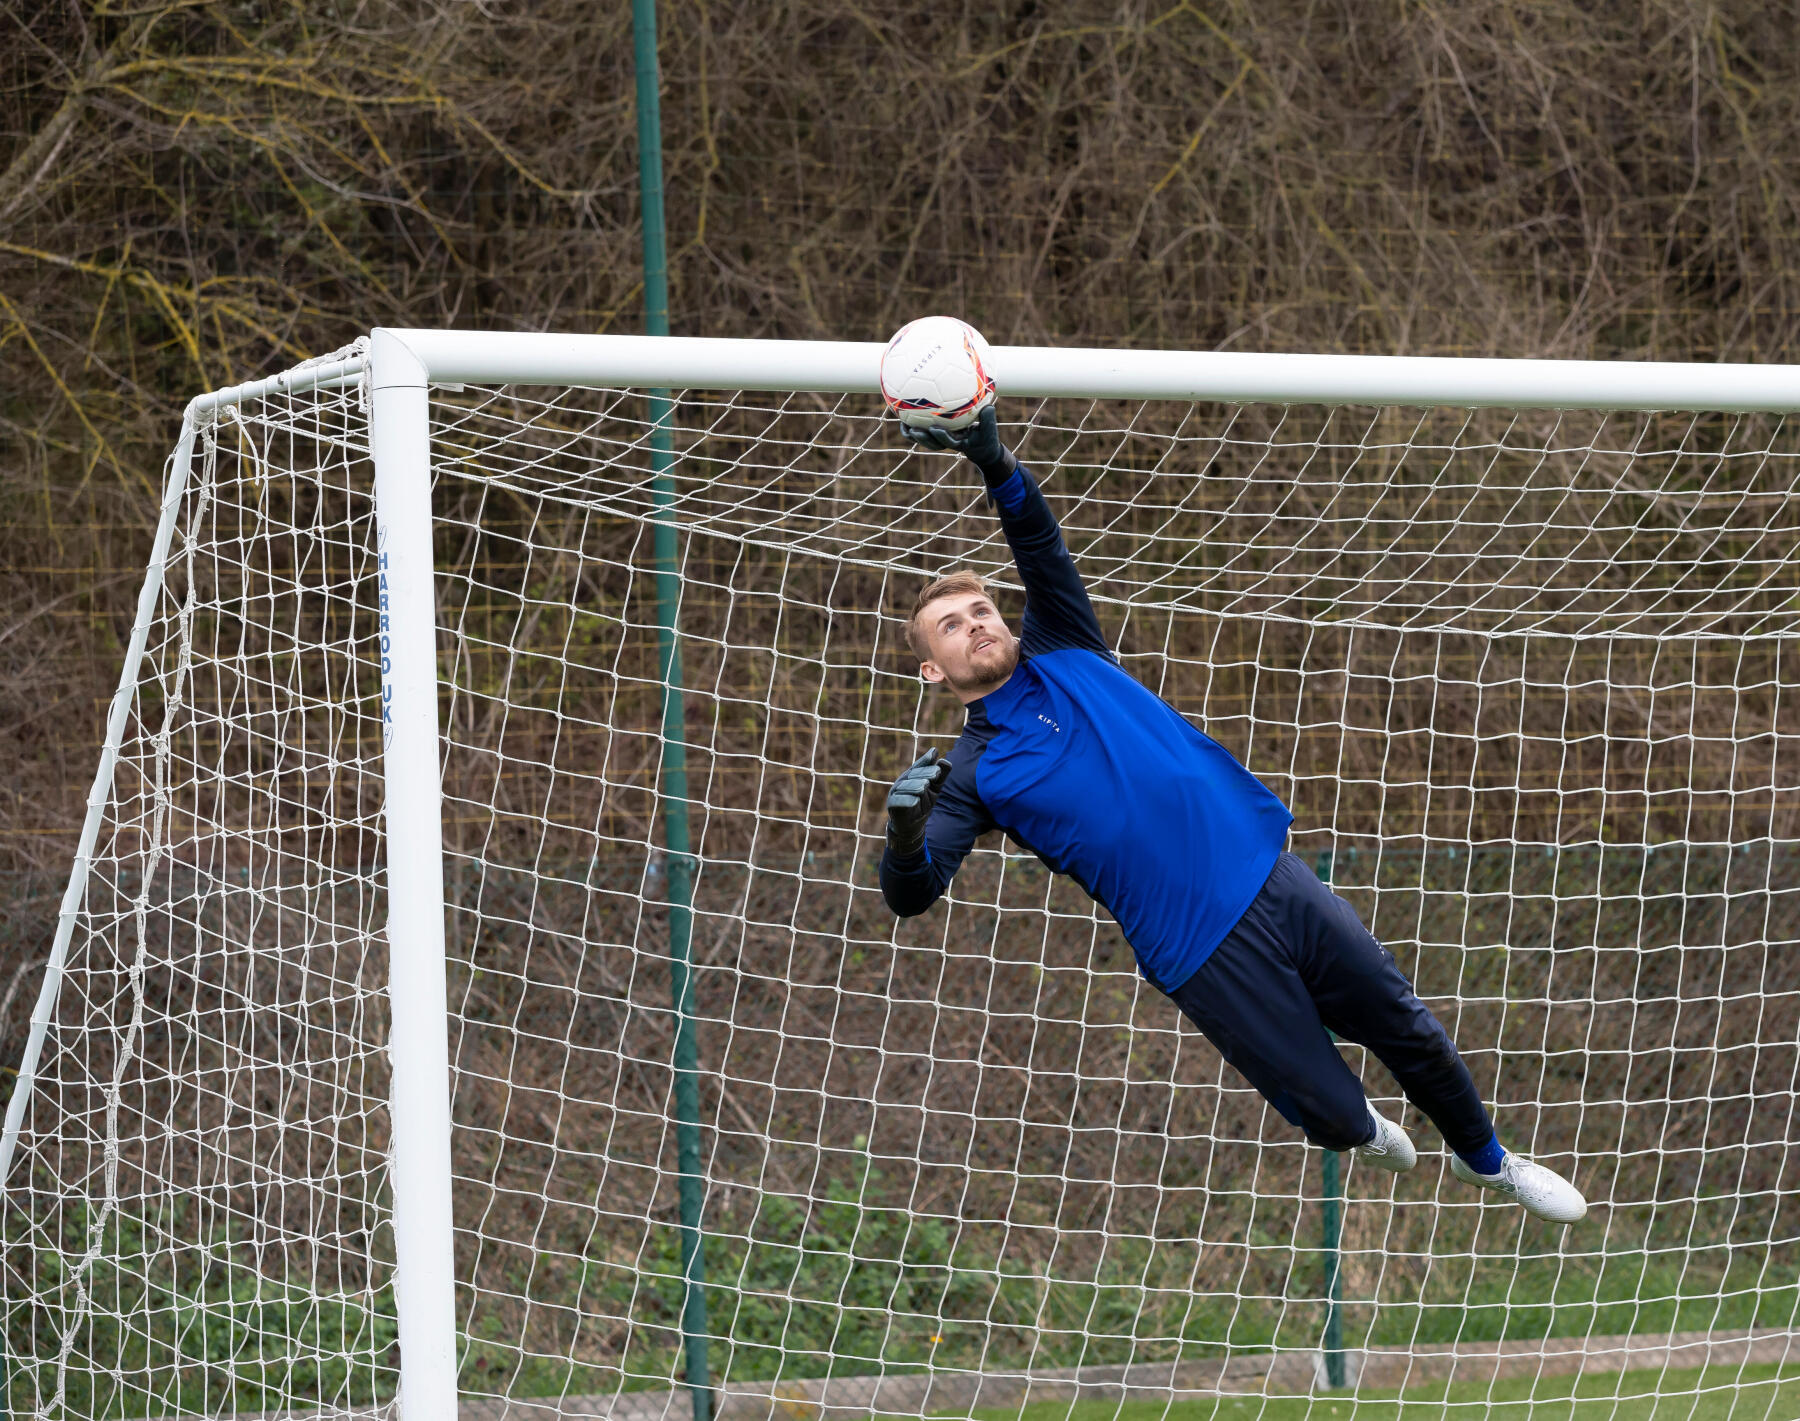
(842, 1287)
(1766, 1393)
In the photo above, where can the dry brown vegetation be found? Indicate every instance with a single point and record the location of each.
(194, 194)
(191, 194)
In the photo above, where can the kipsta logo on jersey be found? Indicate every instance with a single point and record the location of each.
(1052, 724)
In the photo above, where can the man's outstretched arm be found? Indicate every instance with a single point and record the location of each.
(1058, 612)
(934, 820)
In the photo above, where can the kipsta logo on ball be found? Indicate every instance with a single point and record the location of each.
(934, 373)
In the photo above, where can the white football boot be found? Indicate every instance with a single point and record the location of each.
(1539, 1190)
(1391, 1149)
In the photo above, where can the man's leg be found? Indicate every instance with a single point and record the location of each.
(1363, 996)
(1301, 937)
(1252, 1003)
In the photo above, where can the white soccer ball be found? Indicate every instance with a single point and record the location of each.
(934, 373)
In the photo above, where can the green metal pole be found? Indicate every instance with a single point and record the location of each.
(1332, 1210)
(674, 745)
(1334, 1316)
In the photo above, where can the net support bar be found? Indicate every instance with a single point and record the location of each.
(424, 1251)
(98, 796)
(693, 363)
(341, 368)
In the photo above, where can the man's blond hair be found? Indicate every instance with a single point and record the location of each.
(949, 585)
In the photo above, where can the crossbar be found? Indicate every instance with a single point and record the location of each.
(1033, 372)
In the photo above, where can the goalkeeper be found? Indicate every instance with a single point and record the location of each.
(1107, 783)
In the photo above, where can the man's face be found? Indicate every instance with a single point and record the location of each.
(972, 650)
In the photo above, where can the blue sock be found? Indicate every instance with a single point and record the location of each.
(1487, 1159)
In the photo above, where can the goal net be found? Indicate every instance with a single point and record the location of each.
(725, 1139)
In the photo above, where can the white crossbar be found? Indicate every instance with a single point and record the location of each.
(680, 362)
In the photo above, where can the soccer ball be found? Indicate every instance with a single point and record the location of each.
(934, 373)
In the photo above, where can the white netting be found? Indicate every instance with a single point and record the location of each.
(1525, 678)
(194, 1219)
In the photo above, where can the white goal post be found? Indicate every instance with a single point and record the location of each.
(1516, 636)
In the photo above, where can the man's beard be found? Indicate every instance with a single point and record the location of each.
(980, 681)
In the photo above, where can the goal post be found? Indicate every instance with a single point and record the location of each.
(424, 1245)
(352, 1074)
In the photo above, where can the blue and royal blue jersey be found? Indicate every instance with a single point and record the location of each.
(1098, 776)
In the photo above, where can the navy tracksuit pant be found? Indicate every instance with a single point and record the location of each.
(1299, 962)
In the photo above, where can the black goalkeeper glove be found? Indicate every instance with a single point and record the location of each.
(909, 804)
(980, 442)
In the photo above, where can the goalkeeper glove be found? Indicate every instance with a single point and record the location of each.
(980, 442)
(909, 804)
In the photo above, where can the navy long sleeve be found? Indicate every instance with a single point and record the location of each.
(911, 885)
(1098, 776)
(1058, 613)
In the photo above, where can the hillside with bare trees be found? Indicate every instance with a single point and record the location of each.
(194, 194)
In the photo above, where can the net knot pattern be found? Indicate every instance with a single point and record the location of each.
(1526, 679)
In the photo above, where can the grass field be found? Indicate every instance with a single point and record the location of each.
(1766, 1393)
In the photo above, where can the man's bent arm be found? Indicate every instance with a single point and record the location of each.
(912, 883)
(1058, 613)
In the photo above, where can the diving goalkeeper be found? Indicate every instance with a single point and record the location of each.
(1108, 784)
